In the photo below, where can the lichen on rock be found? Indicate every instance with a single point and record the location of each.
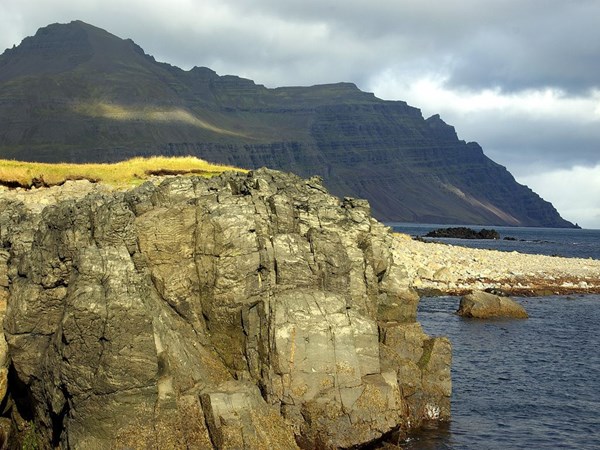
(245, 311)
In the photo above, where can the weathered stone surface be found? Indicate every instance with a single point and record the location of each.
(4, 358)
(483, 305)
(244, 311)
(238, 417)
(422, 365)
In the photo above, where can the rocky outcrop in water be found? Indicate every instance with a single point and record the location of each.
(245, 311)
(463, 233)
(484, 305)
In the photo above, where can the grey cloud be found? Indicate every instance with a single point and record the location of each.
(509, 44)
(498, 43)
(559, 49)
(527, 145)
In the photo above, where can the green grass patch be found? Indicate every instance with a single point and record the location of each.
(122, 174)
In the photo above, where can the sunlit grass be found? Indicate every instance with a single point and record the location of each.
(121, 174)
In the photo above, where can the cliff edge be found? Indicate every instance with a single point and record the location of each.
(245, 311)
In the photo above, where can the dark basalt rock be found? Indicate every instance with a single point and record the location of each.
(463, 233)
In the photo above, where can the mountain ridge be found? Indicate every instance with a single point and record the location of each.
(74, 92)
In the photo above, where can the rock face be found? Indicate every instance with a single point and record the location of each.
(483, 305)
(74, 92)
(246, 311)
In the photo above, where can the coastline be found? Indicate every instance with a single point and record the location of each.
(443, 269)
(291, 278)
(432, 268)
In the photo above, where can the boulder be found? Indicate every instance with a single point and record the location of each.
(243, 311)
(484, 305)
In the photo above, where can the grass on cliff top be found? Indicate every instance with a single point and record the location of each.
(126, 173)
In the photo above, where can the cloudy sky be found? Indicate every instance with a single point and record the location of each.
(521, 77)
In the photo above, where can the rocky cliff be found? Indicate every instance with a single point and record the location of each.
(245, 311)
(76, 93)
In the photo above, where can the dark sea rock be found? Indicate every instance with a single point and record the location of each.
(245, 311)
(463, 233)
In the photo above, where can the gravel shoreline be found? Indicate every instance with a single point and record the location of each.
(443, 269)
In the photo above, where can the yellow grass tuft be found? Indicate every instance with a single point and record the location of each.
(126, 173)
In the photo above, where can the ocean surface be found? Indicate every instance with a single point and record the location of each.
(520, 384)
(567, 242)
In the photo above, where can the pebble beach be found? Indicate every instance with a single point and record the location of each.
(438, 268)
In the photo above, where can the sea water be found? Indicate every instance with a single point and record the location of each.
(569, 242)
(520, 384)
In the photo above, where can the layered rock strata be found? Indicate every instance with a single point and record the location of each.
(245, 311)
(74, 92)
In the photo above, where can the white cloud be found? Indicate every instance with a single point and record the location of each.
(574, 192)
(431, 93)
(539, 129)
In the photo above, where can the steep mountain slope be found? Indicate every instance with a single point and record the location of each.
(74, 92)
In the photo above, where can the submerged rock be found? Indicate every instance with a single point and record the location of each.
(245, 311)
(484, 305)
(463, 233)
